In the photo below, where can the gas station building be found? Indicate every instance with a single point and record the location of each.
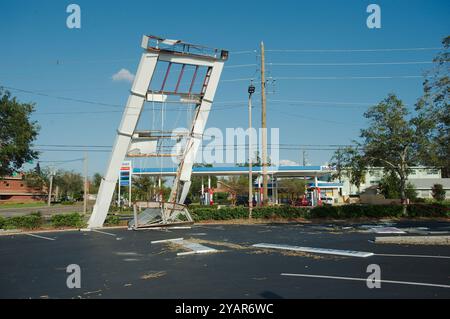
(313, 174)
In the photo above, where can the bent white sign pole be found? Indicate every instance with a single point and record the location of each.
(125, 132)
(196, 134)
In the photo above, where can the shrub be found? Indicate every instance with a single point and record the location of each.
(355, 211)
(227, 213)
(112, 220)
(68, 220)
(221, 198)
(2, 222)
(68, 202)
(428, 210)
(336, 212)
(32, 221)
(438, 192)
(212, 213)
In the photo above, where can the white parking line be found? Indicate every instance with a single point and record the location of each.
(42, 237)
(166, 240)
(365, 279)
(413, 256)
(103, 232)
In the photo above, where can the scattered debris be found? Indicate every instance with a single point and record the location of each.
(92, 292)
(218, 243)
(153, 275)
(190, 246)
(327, 251)
(195, 248)
(386, 230)
(414, 240)
(288, 253)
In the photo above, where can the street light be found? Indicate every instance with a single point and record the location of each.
(251, 90)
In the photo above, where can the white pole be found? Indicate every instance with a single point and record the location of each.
(203, 192)
(85, 183)
(129, 186)
(49, 200)
(136, 223)
(316, 197)
(251, 90)
(209, 189)
(118, 194)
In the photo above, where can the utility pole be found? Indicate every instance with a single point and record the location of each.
(85, 183)
(251, 90)
(264, 124)
(49, 200)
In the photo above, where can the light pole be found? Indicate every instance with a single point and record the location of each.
(251, 90)
(50, 189)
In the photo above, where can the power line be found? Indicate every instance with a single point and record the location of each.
(65, 145)
(322, 102)
(351, 63)
(273, 144)
(351, 50)
(240, 66)
(350, 77)
(238, 80)
(179, 108)
(62, 161)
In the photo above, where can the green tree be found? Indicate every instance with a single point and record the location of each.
(433, 118)
(349, 162)
(17, 133)
(390, 187)
(38, 180)
(143, 187)
(391, 140)
(238, 184)
(438, 192)
(95, 184)
(293, 187)
(71, 184)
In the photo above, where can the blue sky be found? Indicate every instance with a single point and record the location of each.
(40, 54)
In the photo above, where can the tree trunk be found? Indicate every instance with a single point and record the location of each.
(403, 194)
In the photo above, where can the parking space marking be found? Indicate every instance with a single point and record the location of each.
(41, 237)
(365, 279)
(166, 240)
(413, 256)
(103, 232)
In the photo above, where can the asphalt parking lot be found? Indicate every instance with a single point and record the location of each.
(118, 263)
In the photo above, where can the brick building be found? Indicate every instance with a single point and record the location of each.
(13, 189)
